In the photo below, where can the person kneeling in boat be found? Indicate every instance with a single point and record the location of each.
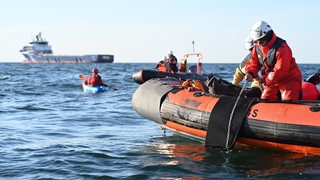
(280, 72)
(239, 74)
(161, 65)
(95, 79)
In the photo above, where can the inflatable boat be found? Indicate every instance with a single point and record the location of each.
(185, 72)
(144, 75)
(222, 121)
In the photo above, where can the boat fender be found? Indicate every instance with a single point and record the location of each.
(149, 96)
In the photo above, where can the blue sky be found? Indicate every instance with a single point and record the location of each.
(144, 30)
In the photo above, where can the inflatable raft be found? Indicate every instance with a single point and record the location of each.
(92, 89)
(281, 126)
(144, 75)
(185, 72)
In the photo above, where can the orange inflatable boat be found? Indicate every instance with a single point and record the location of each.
(222, 121)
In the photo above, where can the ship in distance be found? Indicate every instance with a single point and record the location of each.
(40, 51)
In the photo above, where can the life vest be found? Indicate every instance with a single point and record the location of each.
(162, 67)
(195, 85)
(95, 80)
(270, 59)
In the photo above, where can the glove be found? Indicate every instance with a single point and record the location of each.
(248, 77)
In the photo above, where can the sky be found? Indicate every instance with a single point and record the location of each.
(144, 30)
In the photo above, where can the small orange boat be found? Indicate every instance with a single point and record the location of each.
(281, 126)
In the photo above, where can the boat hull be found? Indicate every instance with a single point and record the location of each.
(92, 89)
(64, 59)
(293, 127)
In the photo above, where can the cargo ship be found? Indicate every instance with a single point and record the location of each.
(40, 51)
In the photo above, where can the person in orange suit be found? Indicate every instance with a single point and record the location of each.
(161, 65)
(95, 79)
(273, 56)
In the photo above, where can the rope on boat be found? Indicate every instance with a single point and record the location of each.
(231, 115)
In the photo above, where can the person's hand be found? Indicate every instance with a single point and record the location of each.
(262, 81)
(248, 77)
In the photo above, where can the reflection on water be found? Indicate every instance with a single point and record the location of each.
(242, 162)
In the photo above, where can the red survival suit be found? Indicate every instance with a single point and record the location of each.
(280, 72)
(95, 79)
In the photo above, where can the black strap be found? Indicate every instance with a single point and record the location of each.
(219, 121)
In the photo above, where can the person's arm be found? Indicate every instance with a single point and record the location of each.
(238, 76)
(101, 82)
(89, 80)
(252, 66)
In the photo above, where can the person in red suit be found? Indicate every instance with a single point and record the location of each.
(172, 60)
(95, 79)
(273, 56)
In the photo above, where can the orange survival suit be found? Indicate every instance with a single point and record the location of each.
(95, 79)
(280, 72)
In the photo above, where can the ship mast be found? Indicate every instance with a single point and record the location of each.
(38, 37)
(193, 46)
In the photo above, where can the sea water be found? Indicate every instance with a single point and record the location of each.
(50, 129)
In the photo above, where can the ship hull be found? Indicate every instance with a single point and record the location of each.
(65, 59)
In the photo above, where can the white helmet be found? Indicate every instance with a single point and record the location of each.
(170, 52)
(249, 43)
(259, 30)
(165, 58)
